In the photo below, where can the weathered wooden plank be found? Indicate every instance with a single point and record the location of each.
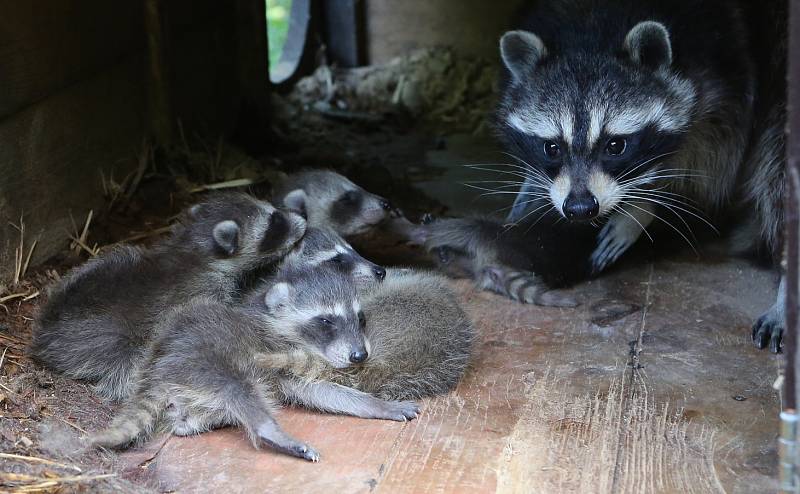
(551, 405)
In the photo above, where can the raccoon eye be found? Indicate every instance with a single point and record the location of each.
(325, 321)
(338, 259)
(616, 146)
(350, 197)
(552, 150)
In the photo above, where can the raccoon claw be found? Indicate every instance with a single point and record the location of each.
(307, 453)
(768, 330)
(610, 246)
(400, 411)
(427, 219)
(444, 255)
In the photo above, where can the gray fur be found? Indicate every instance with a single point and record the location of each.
(322, 246)
(328, 199)
(487, 252)
(97, 321)
(420, 339)
(201, 370)
(634, 114)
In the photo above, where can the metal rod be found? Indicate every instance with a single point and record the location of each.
(787, 452)
(792, 207)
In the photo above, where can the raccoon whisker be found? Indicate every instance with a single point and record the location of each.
(505, 208)
(514, 156)
(670, 206)
(666, 206)
(510, 184)
(650, 179)
(528, 167)
(546, 204)
(654, 215)
(489, 192)
(662, 173)
(669, 196)
(528, 171)
(551, 208)
(508, 172)
(629, 215)
(663, 190)
(643, 163)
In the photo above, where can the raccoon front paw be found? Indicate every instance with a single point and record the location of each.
(612, 241)
(768, 330)
(305, 452)
(400, 411)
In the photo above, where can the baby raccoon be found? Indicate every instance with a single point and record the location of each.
(420, 338)
(96, 323)
(323, 246)
(327, 198)
(519, 262)
(201, 370)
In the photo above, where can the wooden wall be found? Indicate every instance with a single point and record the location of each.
(76, 83)
(471, 27)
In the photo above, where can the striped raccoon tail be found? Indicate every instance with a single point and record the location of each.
(135, 420)
(298, 363)
(522, 286)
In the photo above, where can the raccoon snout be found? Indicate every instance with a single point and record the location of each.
(358, 356)
(581, 208)
(380, 273)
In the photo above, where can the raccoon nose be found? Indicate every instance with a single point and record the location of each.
(358, 356)
(380, 273)
(580, 208)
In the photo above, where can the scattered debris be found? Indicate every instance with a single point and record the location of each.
(434, 85)
(21, 261)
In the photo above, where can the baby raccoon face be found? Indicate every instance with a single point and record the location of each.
(318, 310)
(324, 247)
(327, 198)
(245, 229)
(337, 333)
(592, 132)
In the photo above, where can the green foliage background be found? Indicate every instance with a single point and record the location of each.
(277, 27)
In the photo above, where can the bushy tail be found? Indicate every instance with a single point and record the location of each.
(136, 419)
(522, 286)
(296, 362)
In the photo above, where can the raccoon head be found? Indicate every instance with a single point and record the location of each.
(591, 127)
(321, 246)
(235, 227)
(327, 198)
(318, 310)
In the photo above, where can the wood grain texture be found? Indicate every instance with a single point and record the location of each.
(631, 392)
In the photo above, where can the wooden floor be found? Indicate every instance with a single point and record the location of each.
(650, 386)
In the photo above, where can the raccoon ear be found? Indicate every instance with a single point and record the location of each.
(647, 43)
(226, 236)
(194, 211)
(521, 52)
(277, 296)
(296, 200)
